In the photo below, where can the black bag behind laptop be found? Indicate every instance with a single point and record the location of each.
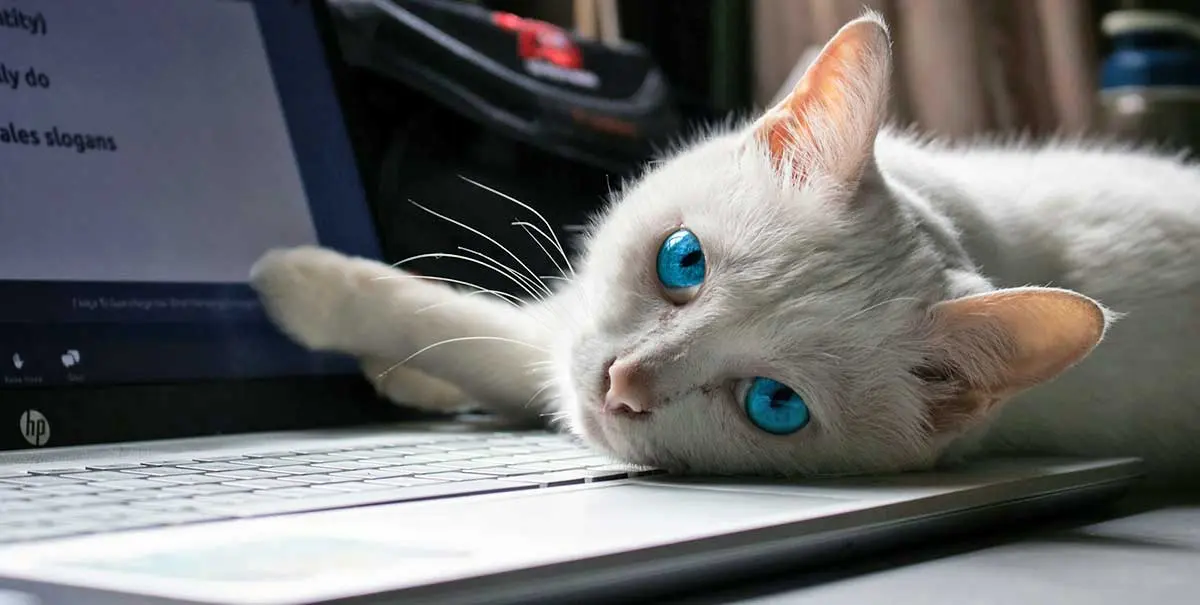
(446, 89)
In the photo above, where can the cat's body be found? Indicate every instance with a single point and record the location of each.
(881, 293)
(1121, 226)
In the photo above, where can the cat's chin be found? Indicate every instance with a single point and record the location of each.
(609, 433)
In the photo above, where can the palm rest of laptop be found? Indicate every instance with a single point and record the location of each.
(600, 540)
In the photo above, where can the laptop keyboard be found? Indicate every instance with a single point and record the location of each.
(112, 497)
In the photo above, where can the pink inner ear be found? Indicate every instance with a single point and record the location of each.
(1001, 343)
(833, 113)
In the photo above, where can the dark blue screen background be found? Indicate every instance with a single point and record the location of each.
(228, 336)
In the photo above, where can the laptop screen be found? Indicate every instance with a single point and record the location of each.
(150, 152)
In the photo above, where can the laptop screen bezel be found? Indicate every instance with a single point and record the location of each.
(97, 414)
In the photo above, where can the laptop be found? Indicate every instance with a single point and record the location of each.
(161, 442)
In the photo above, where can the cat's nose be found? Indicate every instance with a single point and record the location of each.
(628, 389)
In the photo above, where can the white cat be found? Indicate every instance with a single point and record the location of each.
(816, 294)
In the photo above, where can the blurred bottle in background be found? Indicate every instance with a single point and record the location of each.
(1150, 80)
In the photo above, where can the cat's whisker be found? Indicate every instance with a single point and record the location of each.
(440, 255)
(549, 228)
(530, 229)
(459, 299)
(556, 277)
(536, 393)
(447, 341)
(541, 286)
(484, 236)
(505, 296)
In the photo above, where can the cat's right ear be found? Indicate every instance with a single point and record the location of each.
(827, 126)
(989, 347)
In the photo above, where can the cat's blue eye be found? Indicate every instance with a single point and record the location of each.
(775, 407)
(681, 265)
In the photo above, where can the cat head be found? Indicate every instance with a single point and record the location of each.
(761, 303)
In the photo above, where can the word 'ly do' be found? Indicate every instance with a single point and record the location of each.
(14, 78)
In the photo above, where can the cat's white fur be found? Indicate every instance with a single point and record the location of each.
(891, 288)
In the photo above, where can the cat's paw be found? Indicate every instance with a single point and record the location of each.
(413, 388)
(304, 290)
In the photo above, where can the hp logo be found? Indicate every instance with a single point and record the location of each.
(35, 428)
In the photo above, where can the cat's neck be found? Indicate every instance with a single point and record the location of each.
(955, 200)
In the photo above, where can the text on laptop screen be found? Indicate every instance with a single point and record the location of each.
(150, 152)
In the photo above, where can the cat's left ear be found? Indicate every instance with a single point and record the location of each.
(990, 347)
(828, 124)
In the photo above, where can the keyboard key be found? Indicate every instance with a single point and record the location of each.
(298, 492)
(571, 454)
(518, 459)
(129, 484)
(212, 467)
(262, 462)
(299, 469)
(417, 469)
(373, 473)
(72, 501)
(169, 462)
(438, 457)
(250, 473)
(160, 471)
(508, 450)
(461, 465)
(186, 480)
(218, 458)
(313, 479)
(404, 481)
(350, 465)
(354, 486)
(310, 458)
(270, 454)
(392, 451)
(179, 517)
(320, 450)
(257, 484)
(395, 494)
(451, 476)
(500, 471)
(239, 500)
(64, 490)
(112, 467)
(131, 495)
(96, 513)
(164, 504)
(548, 467)
(57, 471)
(95, 476)
(40, 481)
(203, 489)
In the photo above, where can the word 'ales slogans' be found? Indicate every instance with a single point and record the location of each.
(82, 143)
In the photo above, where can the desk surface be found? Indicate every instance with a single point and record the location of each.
(1141, 553)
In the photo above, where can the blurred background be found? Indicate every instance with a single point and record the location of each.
(556, 102)
(963, 67)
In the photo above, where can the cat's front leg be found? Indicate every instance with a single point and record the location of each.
(406, 386)
(392, 319)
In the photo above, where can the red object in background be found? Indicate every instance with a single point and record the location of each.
(541, 40)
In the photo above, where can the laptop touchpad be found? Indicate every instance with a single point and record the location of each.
(369, 548)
